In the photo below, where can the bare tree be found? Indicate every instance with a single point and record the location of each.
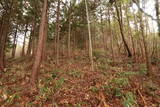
(120, 21)
(57, 33)
(90, 39)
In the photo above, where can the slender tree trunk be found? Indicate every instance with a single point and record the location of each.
(30, 44)
(37, 62)
(1, 27)
(102, 30)
(119, 15)
(44, 56)
(111, 34)
(154, 43)
(57, 33)
(140, 48)
(116, 38)
(90, 39)
(14, 42)
(69, 37)
(157, 15)
(24, 40)
(34, 44)
(130, 33)
(2, 47)
(144, 44)
(3, 35)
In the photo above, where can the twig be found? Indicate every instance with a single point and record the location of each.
(145, 104)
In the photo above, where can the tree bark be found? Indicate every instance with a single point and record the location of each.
(90, 39)
(130, 33)
(111, 35)
(29, 44)
(120, 21)
(4, 33)
(157, 15)
(69, 37)
(14, 42)
(145, 44)
(57, 33)
(44, 57)
(37, 62)
(24, 40)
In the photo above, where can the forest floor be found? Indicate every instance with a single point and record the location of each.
(121, 83)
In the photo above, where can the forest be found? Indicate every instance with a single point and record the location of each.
(79, 53)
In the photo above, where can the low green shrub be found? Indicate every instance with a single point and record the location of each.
(94, 89)
(143, 69)
(119, 82)
(58, 84)
(75, 73)
(127, 74)
(129, 100)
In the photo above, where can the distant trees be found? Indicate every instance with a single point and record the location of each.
(71, 25)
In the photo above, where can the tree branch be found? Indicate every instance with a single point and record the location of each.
(134, 1)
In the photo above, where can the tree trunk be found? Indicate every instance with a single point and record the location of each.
(102, 31)
(111, 35)
(130, 33)
(157, 15)
(144, 44)
(3, 34)
(37, 62)
(69, 37)
(90, 39)
(24, 40)
(44, 57)
(14, 42)
(120, 21)
(30, 44)
(57, 33)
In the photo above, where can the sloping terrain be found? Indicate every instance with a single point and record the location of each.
(73, 84)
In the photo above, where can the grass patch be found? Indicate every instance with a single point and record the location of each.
(58, 84)
(143, 69)
(75, 73)
(103, 66)
(94, 89)
(55, 73)
(127, 74)
(151, 88)
(98, 53)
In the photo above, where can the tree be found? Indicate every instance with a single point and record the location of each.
(37, 62)
(120, 21)
(5, 24)
(147, 61)
(15, 42)
(157, 15)
(24, 40)
(90, 39)
(57, 32)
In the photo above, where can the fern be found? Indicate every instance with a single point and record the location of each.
(127, 74)
(120, 82)
(58, 84)
(129, 100)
